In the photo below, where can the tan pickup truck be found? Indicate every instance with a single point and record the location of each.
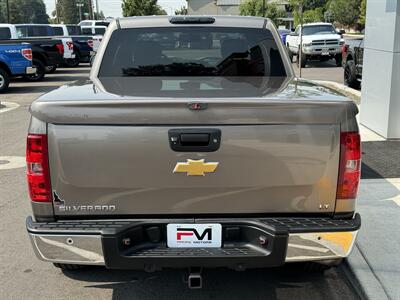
(192, 145)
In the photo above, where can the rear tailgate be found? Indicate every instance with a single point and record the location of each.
(273, 158)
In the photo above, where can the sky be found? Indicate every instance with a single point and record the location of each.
(112, 8)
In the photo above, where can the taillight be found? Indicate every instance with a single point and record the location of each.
(90, 43)
(27, 53)
(70, 45)
(37, 172)
(344, 50)
(350, 165)
(60, 48)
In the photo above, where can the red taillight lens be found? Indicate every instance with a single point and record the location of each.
(350, 165)
(27, 53)
(60, 48)
(344, 50)
(90, 43)
(70, 45)
(38, 173)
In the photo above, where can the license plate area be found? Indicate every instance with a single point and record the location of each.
(194, 235)
(325, 52)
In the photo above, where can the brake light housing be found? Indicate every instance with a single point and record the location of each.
(38, 173)
(27, 54)
(350, 165)
(90, 43)
(60, 48)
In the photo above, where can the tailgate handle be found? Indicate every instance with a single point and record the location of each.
(194, 140)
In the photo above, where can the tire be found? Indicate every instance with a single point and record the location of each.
(51, 69)
(4, 80)
(40, 72)
(290, 53)
(350, 78)
(73, 62)
(338, 59)
(303, 60)
(69, 267)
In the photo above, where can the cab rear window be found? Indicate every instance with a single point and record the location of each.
(5, 33)
(192, 51)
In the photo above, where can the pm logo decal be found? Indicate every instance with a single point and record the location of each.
(195, 167)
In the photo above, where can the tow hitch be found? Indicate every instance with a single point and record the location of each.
(195, 278)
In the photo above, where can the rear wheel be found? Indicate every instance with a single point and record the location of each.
(51, 69)
(69, 267)
(40, 71)
(350, 77)
(73, 62)
(4, 80)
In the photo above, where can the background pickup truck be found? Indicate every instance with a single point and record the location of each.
(83, 45)
(15, 60)
(320, 42)
(40, 35)
(180, 157)
(353, 54)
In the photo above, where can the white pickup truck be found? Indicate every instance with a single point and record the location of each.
(321, 41)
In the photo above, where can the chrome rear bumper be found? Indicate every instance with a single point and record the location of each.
(58, 245)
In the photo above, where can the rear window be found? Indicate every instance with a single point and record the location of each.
(5, 33)
(99, 31)
(32, 31)
(87, 31)
(102, 24)
(74, 30)
(192, 51)
(58, 31)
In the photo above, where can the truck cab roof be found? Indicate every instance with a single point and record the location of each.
(218, 21)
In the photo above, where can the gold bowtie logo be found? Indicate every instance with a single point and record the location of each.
(195, 167)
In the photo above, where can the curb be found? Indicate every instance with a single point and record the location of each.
(362, 277)
(341, 88)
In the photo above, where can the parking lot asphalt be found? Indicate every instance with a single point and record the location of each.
(322, 71)
(23, 276)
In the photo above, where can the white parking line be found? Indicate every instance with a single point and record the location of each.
(8, 106)
(12, 162)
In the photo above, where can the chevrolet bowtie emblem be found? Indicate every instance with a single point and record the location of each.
(195, 167)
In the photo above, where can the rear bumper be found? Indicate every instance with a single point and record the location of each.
(30, 70)
(104, 242)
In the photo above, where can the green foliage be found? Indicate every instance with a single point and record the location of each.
(3, 12)
(255, 8)
(100, 16)
(28, 11)
(68, 12)
(141, 8)
(315, 15)
(346, 12)
(363, 13)
(182, 11)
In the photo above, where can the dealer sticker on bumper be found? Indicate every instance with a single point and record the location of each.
(194, 235)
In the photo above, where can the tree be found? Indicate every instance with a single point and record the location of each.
(346, 12)
(363, 13)
(28, 11)
(314, 15)
(182, 11)
(255, 8)
(141, 8)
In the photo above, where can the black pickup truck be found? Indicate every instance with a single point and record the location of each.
(353, 55)
(46, 52)
(82, 49)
